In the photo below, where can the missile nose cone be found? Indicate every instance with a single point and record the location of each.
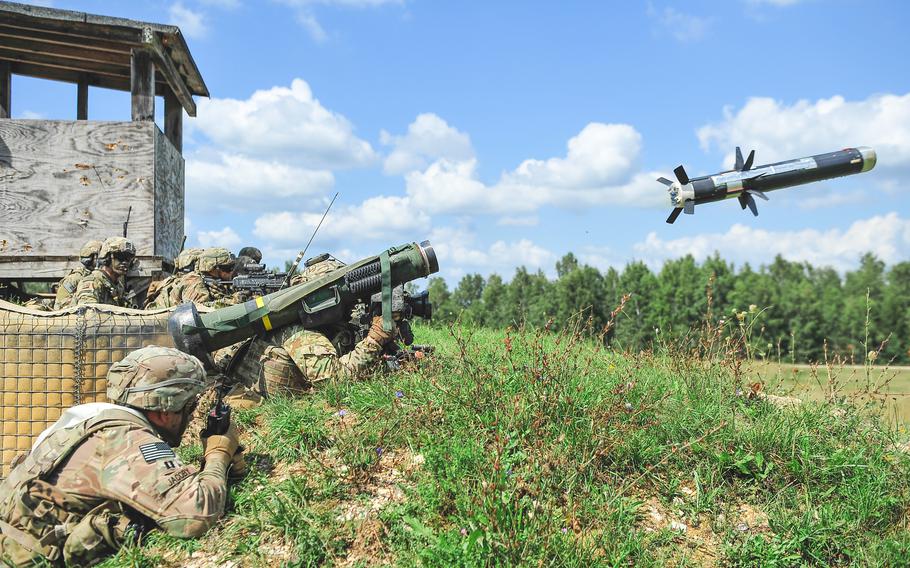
(869, 157)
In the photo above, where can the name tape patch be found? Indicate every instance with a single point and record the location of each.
(155, 451)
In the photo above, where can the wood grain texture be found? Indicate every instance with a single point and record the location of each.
(142, 85)
(65, 182)
(173, 120)
(5, 89)
(169, 197)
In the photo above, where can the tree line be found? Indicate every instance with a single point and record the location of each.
(794, 311)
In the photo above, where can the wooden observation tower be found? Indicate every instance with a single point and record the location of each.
(64, 182)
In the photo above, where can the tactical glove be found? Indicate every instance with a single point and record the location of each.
(221, 447)
(378, 334)
(238, 465)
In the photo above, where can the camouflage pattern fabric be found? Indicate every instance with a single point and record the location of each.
(186, 260)
(67, 287)
(73, 497)
(294, 359)
(316, 270)
(164, 293)
(192, 287)
(97, 288)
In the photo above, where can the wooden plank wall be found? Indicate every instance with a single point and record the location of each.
(169, 197)
(65, 182)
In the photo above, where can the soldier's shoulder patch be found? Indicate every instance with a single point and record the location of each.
(154, 451)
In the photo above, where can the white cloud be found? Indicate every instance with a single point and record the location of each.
(459, 254)
(888, 236)
(683, 27)
(286, 123)
(601, 257)
(32, 115)
(378, 218)
(527, 221)
(600, 167)
(831, 199)
(226, 238)
(600, 155)
(191, 23)
(778, 131)
(428, 138)
(234, 180)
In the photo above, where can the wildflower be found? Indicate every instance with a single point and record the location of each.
(464, 531)
(342, 412)
(628, 407)
(399, 394)
(379, 452)
(741, 316)
(753, 308)
(564, 530)
(509, 472)
(873, 355)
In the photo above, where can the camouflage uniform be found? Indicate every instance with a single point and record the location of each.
(168, 293)
(67, 286)
(193, 287)
(102, 468)
(293, 359)
(98, 287)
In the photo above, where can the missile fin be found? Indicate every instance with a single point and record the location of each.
(689, 207)
(665, 181)
(673, 215)
(749, 160)
(739, 160)
(758, 193)
(681, 175)
(752, 206)
(742, 201)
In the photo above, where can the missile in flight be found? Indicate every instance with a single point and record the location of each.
(745, 182)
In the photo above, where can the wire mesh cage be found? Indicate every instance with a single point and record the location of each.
(50, 361)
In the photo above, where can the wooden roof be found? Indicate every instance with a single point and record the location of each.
(64, 45)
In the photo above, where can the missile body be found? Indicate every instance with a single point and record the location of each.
(744, 181)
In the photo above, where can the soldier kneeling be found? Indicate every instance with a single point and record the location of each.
(105, 471)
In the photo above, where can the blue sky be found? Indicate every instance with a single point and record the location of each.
(510, 133)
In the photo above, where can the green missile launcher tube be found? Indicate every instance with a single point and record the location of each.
(315, 303)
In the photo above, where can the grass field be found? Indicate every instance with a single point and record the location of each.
(883, 389)
(538, 449)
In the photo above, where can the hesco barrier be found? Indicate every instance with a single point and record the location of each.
(50, 361)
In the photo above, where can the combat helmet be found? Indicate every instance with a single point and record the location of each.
(90, 248)
(186, 260)
(116, 244)
(214, 257)
(316, 267)
(156, 378)
(251, 252)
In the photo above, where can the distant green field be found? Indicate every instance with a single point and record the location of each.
(886, 389)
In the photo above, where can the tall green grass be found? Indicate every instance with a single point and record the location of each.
(530, 448)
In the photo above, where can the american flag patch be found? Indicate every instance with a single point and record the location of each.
(156, 451)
